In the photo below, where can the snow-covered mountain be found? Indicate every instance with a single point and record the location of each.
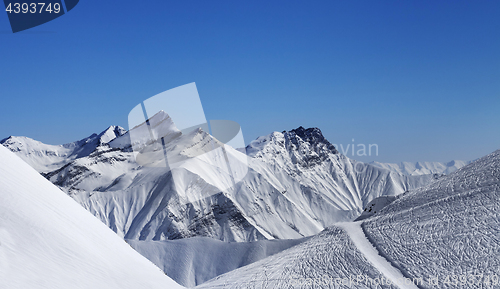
(49, 241)
(46, 158)
(422, 168)
(297, 184)
(443, 235)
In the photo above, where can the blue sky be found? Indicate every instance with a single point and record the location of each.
(421, 79)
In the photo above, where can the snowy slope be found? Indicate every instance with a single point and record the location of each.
(392, 274)
(193, 261)
(297, 184)
(449, 228)
(422, 168)
(48, 241)
(327, 260)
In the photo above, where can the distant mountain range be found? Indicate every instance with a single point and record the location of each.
(422, 168)
(297, 185)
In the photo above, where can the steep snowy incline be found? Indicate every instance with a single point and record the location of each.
(447, 232)
(49, 241)
(193, 261)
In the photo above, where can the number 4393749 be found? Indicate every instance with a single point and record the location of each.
(33, 8)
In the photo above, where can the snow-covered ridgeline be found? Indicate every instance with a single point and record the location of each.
(422, 168)
(297, 184)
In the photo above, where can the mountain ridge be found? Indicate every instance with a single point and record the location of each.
(297, 184)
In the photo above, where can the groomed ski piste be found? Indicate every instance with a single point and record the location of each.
(358, 237)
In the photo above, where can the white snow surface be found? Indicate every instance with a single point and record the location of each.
(47, 240)
(193, 261)
(327, 260)
(448, 229)
(355, 232)
(297, 185)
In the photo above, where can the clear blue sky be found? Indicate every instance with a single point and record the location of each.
(421, 79)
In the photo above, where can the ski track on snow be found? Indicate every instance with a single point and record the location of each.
(358, 237)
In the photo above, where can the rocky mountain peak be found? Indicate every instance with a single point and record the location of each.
(312, 136)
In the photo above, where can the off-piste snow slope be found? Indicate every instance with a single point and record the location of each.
(297, 185)
(444, 235)
(49, 241)
(447, 233)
